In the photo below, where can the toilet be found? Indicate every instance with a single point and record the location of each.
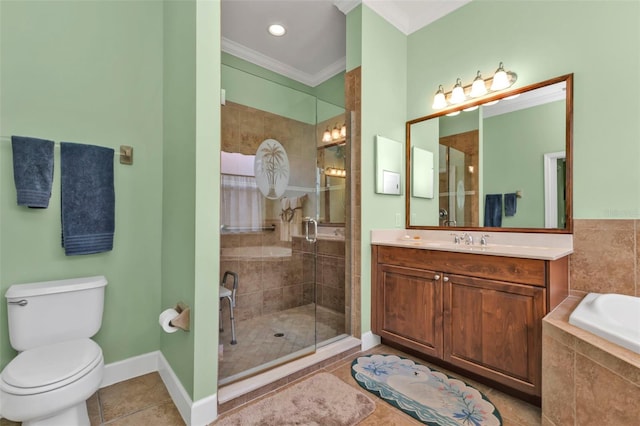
(58, 366)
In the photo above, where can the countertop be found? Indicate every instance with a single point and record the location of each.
(507, 244)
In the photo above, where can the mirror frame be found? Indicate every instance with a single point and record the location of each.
(568, 78)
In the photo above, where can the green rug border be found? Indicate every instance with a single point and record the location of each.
(413, 414)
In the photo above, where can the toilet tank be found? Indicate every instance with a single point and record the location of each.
(48, 312)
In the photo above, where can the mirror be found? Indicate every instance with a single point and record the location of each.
(332, 174)
(502, 166)
(388, 166)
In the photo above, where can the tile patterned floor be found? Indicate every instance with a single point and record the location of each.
(144, 401)
(257, 341)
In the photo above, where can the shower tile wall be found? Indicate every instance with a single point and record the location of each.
(329, 283)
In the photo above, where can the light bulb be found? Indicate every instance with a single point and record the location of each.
(500, 79)
(457, 94)
(335, 133)
(343, 131)
(439, 100)
(277, 30)
(478, 88)
(326, 136)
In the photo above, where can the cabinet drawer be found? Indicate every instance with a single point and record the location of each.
(517, 270)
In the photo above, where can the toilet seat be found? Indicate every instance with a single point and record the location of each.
(50, 367)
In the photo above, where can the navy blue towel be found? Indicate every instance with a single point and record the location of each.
(32, 170)
(510, 204)
(88, 198)
(493, 210)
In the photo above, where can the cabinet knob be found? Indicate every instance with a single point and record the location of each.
(436, 277)
(446, 279)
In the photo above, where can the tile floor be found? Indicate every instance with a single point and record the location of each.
(144, 401)
(258, 343)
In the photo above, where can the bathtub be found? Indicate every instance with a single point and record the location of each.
(255, 252)
(614, 317)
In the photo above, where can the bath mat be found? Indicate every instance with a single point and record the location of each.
(424, 393)
(320, 400)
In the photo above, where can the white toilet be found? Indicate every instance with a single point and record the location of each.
(58, 366)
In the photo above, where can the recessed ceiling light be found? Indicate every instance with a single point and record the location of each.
(276, 30)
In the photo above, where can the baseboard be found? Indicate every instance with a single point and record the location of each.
(370, 340)
(129, 368)
(198, 413)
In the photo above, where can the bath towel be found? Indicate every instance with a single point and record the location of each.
(493, 210)
(88, 198)
(510, 204)
(32, 170)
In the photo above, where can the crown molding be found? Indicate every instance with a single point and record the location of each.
(391, 12)
(346, 6)
(257, 58)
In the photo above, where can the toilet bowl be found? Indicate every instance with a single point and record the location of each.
(57, 368)
(50, 384)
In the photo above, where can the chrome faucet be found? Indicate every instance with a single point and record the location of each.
(467, 238)
(456, 238)
(483, 240)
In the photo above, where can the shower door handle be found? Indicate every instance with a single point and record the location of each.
(311, 238)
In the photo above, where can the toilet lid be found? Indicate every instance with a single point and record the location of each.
(59, 363)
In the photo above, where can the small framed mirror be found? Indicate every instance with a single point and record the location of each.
(389, 161)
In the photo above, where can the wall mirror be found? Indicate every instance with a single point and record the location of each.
(498, 166)
(388, 166)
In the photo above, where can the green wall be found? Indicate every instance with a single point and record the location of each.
(514, 148)
(384, 113)
(331, 90)
(87, 72)
(190, 240)
(606, 150)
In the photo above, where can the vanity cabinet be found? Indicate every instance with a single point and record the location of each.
(477, 313)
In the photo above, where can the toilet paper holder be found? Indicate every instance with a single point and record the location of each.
(182, 321)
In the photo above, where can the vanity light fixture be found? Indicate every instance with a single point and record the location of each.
(439, 100)
(335, 133)
(326, 136)
(457, 94)
(500, 79)
(277, 30)
(478, 89)
(335, 172)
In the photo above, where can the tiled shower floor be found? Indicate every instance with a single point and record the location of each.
(259, 340)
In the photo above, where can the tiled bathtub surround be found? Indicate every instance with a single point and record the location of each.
(606, 258)
(266, 284)
(586, 380)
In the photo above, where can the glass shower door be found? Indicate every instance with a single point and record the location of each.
(268, 212)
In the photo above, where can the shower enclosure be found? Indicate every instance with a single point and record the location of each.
(291, 289)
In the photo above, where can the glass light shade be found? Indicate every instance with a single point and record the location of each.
(439, 100)
(326, 136)
(453, 114)
(511, 97)
(457, 94)
(473, 108)
(335, 133)
(500, 79)
(478, 88)
(491, 103)
(343, 131)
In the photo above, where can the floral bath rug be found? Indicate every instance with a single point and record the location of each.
(425, 394)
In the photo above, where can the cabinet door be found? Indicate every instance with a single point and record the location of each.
(409, 308)
(494, 328)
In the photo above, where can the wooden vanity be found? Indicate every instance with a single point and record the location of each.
(473, 313)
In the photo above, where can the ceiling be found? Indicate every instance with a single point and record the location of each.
(313, 49)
